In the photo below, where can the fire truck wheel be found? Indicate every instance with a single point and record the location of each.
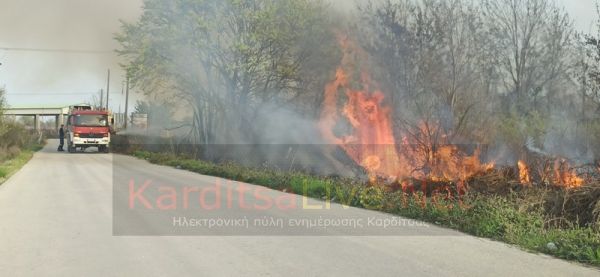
(103, 149)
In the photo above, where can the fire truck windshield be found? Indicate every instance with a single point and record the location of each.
(91, 120)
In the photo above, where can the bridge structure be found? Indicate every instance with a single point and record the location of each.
(37, 112)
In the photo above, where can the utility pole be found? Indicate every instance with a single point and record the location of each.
(107, 89)
(126, 100)
(101, 98)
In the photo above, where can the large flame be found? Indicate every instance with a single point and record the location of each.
(371, 142)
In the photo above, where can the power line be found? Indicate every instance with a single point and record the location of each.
(57, 50)
(52, 94)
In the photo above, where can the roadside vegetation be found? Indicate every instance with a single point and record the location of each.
(13, 164)
(528, 218)
(17, 144)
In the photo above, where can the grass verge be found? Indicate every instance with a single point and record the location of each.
(11, 166)
(518, 218)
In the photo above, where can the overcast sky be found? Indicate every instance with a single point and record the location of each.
(50, 78)
(61, 24)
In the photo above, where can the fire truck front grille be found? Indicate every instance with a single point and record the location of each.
(91, 135)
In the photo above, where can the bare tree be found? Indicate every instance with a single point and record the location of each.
(590, 75)
(433, 62)
(532, 43)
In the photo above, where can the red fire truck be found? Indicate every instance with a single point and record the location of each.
(88, 127)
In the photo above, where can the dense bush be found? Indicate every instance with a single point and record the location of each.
(13, 136)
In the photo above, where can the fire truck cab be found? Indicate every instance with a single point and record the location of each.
(88, 127)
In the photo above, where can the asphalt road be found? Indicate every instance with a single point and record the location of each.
(58, 219)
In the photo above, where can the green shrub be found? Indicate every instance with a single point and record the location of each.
(372, 198)
(580, 244)
(310, 186)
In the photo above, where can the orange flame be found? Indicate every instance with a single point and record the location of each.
(372, 143)
(432, 156)
(560, 173)
(524, 176)
(565, 176)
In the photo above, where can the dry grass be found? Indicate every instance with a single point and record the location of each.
(562, 206)
(580, 205)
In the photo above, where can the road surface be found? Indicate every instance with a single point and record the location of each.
(57, 220)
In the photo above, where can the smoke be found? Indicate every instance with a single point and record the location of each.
(289, 141)
(281, 138)
(243, 118)
(346, 5)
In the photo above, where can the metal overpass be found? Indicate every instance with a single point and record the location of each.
(58, 112)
